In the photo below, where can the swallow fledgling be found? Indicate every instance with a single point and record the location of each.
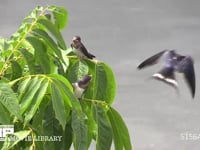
(79, 49)
(173, 62)
(81, 85)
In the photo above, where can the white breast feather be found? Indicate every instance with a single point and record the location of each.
(78, 91)
(78, 53)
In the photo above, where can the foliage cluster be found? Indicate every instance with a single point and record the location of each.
(36, 95)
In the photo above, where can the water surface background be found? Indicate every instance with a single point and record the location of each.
(122, 34)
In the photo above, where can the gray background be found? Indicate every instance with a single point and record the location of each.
(122, 33)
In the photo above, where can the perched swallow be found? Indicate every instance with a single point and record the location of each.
(173, 62)
(81, 85)
(79, 49)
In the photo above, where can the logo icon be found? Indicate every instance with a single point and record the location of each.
(4, 130)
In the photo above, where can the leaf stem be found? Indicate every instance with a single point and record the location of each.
(32, 137)
(30, 76)
(96, 101)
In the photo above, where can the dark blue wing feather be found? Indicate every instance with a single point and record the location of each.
(86, 53)
(186, 67)
(151, 60)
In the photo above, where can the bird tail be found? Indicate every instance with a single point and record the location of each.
(90, 56)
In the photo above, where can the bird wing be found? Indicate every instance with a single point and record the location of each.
(151, 60)
(186, 66)
(85, 52)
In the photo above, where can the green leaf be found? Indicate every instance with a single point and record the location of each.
(5, 45)
(79, 131)
(51, 127)
(111, 84)
(60, 16)
(16, 70)
(49, 42)
(37, 99)
(41, 54)
(90, 121)
(67, 137)
(38, 117)
(2, 44)
(20, 135)
(9, 100)
(66, 89)
(102, 86)
(5, 116)
(54, 31)
(60, 66)
(58, 105)
(120, 131)
(30, 60)
(63, 80)
(26, 97)
(77, 70)
(104, 133)
(23, 87)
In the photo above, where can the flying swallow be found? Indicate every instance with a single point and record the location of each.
(81, 85)
(79, 49)
(173, 62)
